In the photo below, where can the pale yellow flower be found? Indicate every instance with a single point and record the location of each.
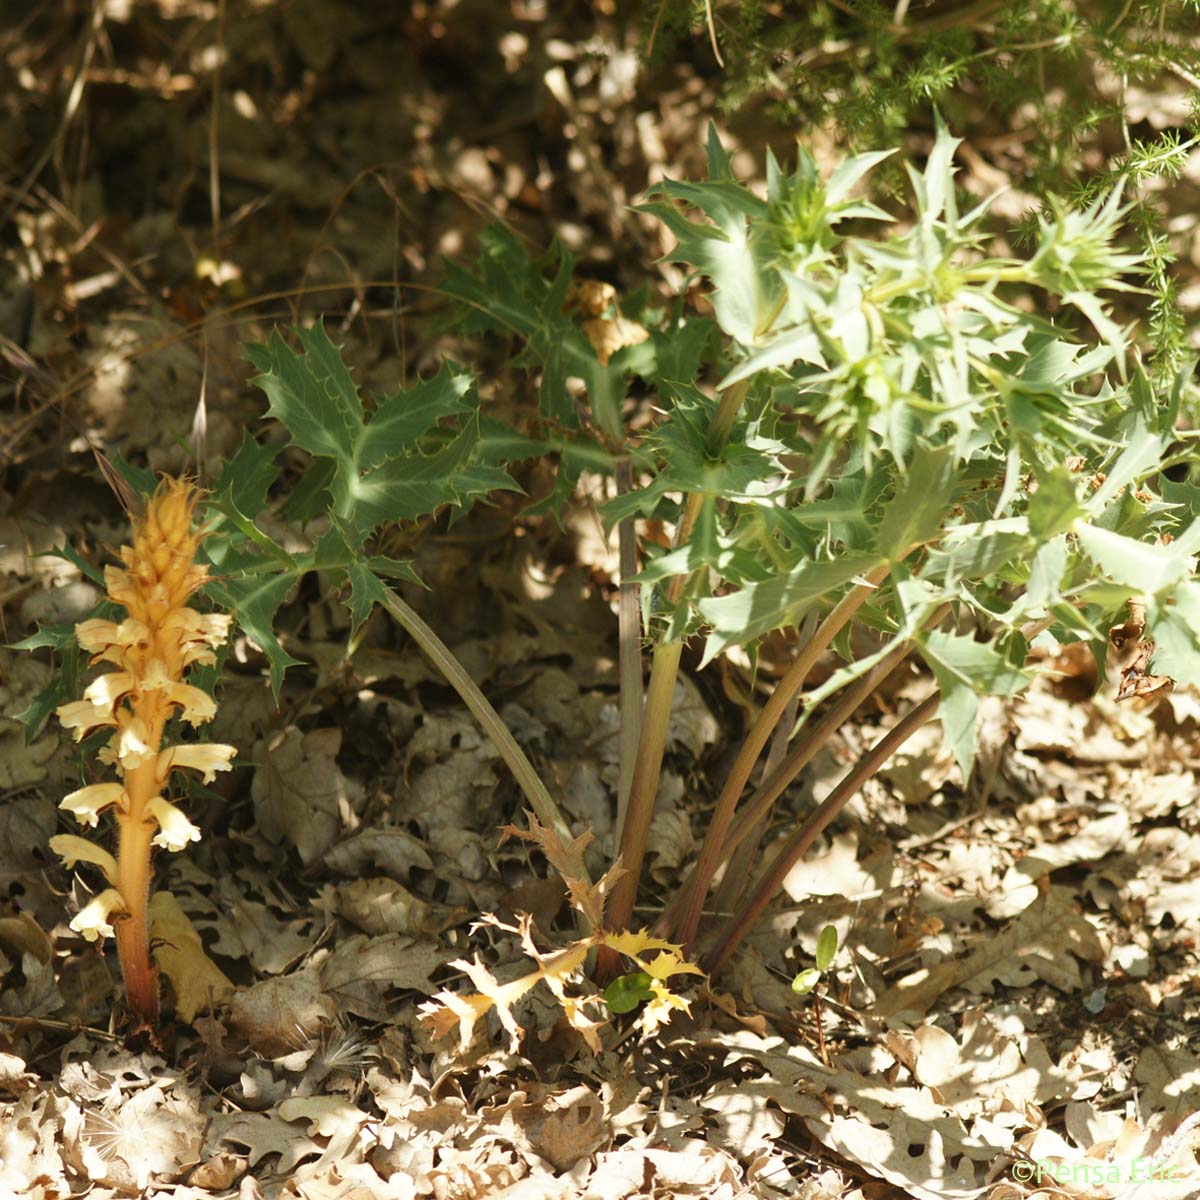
(92, 921)
(207, 758)
(174, 829)
(72, 849)
(88, 803)
(82, 716)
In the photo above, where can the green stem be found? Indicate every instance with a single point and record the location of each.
(527, 778)
(629, 640)
(644, 788)
(663, 671)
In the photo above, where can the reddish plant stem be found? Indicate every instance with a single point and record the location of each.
(132, 928)
(777, 781)
(800, 841)
(137, 830)
(715, 844)
(739, 865)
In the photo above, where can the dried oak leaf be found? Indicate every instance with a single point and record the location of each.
(199, 984)
(1042, 943)
(278, 1016)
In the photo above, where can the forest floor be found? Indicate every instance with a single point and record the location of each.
(1012, 1012)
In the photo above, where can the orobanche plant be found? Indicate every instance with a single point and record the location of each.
(150, 652)
(879, 439)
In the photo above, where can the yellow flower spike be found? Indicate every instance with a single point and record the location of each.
(151, 649)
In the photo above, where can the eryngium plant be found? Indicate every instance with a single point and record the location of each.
(150, 652)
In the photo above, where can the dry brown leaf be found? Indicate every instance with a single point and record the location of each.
(199, 984)
(144, 1136)
(393, 851)
(381, 906)
(565, 1126)
(1039, 944)
(567, 859)
(15, 1080)
(924, 1153)
(1170, 1079)
(300, 794)
(362, 970)
(262, 1135)
(608, 335)
(1019, 888)
(278, 1016)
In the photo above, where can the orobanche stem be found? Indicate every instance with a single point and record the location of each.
(150, 651)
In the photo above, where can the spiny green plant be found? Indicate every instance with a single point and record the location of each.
(896, 444)
(877, 437)
(1049, 82)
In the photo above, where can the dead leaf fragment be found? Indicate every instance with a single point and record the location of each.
(1039, 944)
(199, 984)
(278, 1016)
(300, 793)
(361, 971)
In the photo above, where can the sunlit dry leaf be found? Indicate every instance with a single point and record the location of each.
(1042, 943)
(608, 335)
(277, 1016)
(198, 982)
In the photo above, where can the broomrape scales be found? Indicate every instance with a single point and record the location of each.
(150, 651)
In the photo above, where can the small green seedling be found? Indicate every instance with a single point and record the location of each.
(827, 948)
(806, 981)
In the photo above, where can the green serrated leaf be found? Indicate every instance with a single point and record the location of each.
(760, 607)
(254, 600)
(1175, 629)
(54, 637)
(382, 468)
(1130, 563)
(312, 394)
(404, 417)
(918, 510)
(34, 716)
(247, 477)
(965, 670)
(1054, 508)
(365, 592)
